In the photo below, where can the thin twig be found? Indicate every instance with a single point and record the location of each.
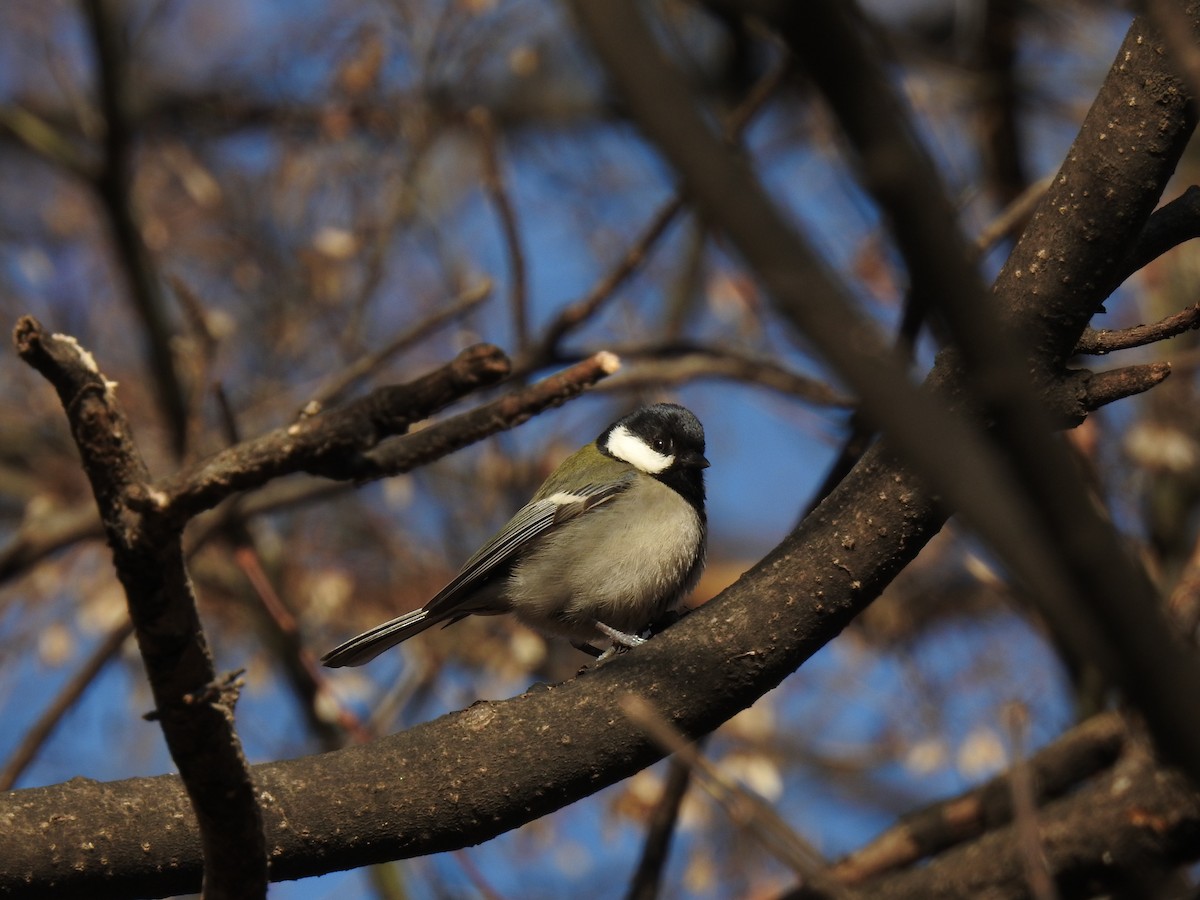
(1016, 212)
(1024, 804)
(38, 538)
(743, 806)
(647, 879)
(304, 674)
(679, 363)
(112, 184)
(40, 731)
(1103, 388)
(42, 138)
(497, 190)
(1097, 342)
(575, 314)
(334, 390)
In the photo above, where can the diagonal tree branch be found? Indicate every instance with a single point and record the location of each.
(1097, 597)
(332, 443)
(41, 730)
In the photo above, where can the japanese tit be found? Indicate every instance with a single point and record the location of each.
(612, 540)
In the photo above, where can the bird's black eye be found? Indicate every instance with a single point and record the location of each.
(660, 444)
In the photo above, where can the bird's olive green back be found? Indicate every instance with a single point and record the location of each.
(587, 465)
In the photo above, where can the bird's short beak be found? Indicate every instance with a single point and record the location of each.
(697, 460)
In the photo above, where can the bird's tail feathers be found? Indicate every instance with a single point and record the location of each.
(366, 646)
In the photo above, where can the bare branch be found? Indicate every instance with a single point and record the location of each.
(1024, 805)
(1103, 388)
(575, 314)
(679, 363)
(40, 731)
(1170, 225)
(1073, 758)
(1183, 603)
(112, 184)
(1099, 342)
(45, 139)
(497, 191)
(336, 388)
(333, 443)
(1176, 28)
(1013, 215)
(406, 453)
(647, 878)
(196, 716)
(743, 806)
(46, 534)
(1119, 833)
(1097, 596)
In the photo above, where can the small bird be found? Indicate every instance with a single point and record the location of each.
(613, 540)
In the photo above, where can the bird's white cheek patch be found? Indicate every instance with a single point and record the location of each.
(623, 444)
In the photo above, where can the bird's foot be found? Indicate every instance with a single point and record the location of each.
(619, 637)
(586, 648)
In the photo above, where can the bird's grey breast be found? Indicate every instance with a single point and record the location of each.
(624, 563)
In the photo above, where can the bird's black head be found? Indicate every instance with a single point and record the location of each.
(665, 441)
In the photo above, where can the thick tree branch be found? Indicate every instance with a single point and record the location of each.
(1094, 593)
(469, 776)
(195, 713)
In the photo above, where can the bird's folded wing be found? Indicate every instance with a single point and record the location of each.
(530, 523)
